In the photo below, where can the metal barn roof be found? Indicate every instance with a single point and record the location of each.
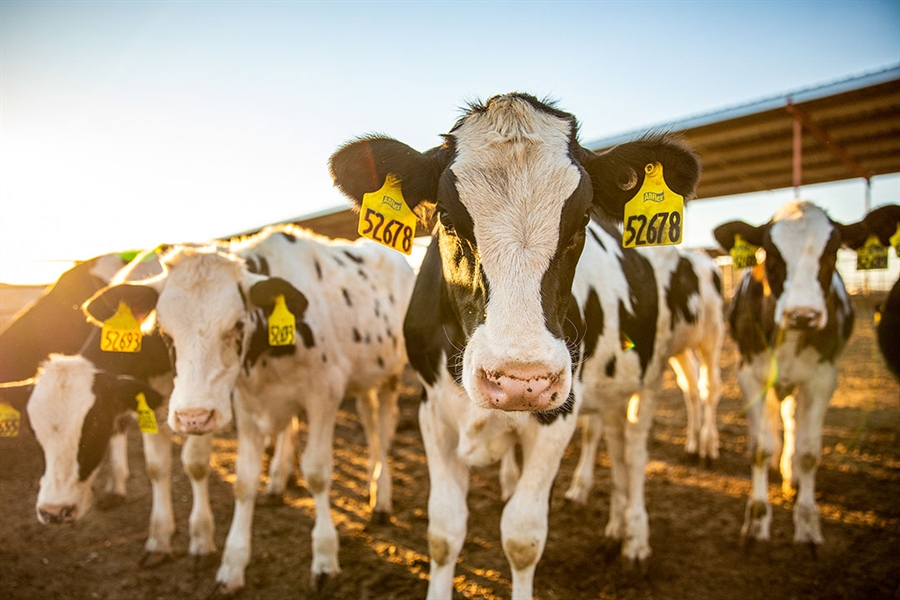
(846, 129)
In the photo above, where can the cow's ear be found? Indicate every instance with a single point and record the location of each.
(618, 174)
(725, 233)
(883, 222)
(361, 166)
(17, 393)
(122, 391)
(853, 236)
(264, 292)
(141, 299)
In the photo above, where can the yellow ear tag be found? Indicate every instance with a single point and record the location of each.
(895, 240)
(743, 253)
(385, 218)
(146, 417)
(872, 255)
(9, 421)
(282, 324)
(655, 215)
(121, 332)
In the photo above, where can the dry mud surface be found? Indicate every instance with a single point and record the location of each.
(695, 518)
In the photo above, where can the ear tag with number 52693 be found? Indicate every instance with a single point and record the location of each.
(743, 253)
(385, 218)
(121, 332)
(282, 324)
(655, 215)
(872, 255)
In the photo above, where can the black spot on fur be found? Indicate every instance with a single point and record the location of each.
(346, 295)
(356, 336)
(318, 270)
(611, 366)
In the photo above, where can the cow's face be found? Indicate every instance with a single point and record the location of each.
(510, 192)
(208, 308)
(801, 244)
(72, 409)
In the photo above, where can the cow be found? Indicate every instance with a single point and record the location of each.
(492, 329)
(54, 323)
(695, 316)
(791, 317)
(213, 304)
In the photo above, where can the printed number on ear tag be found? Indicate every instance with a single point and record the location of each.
(385, 218)
(9, 421)
(282, 324)
(121, 332)
(146, 417)
(743, 253)
(872, 255)
(655, 215)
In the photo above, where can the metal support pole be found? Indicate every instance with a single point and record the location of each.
(798, 156)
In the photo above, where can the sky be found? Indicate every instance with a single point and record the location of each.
(126, 124)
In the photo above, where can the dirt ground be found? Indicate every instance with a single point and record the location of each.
(695, 518)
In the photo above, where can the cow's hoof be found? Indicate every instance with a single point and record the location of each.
(610, 548)
(636, 568)
(691, 458)
(380, 517)
(270, 500)
(221, 590)
(110, 501)
(152, 560)
(321, 583)
(813, 550)
(204, 562)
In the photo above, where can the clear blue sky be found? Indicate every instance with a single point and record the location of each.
(128, 124)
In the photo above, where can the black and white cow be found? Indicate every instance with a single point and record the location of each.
(694, 315)
(54, 323)
(348, 300)
(791, 317)
(492, 329)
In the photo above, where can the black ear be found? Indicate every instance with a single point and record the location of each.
(263, 294)
(854, 236)
(883, 222)
(141, 299)
(725, 233)
(17, 393)
(122, 391)
(361, 166)
(618, 174)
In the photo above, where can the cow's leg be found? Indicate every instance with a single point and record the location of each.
(158, 458)
(447, 510)
(812, 404)
(636, 543)
(378, 414)
(614, 433)
(523, 526)
(236, 555)
(281, 466)
(786, 463)
(316, 465)
(509, 474)
(583, 477)
(195, 456)
(760, 405)
(684, 364)
(710, 384)
(114, 494)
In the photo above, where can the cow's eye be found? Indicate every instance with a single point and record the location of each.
(445, 221)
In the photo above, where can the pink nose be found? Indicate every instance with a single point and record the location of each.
(195, 421)
(522, 387)
(803, 318)
(55, 514)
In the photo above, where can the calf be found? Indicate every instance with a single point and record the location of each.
(492, 330)
(695, 315)
(791, 318)
(212, 304)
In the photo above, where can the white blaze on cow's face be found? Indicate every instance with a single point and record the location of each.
(58, 409)
(514, 175)
(201, 310)
(801, 253)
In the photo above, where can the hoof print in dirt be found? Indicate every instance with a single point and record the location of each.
(110, 501)
(152, 560)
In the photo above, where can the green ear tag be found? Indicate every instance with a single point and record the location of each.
(743, 253)
(9, 421)
(146, 417)
(282, 324)
(385, 218)
(872, 255)
(121, 332)
(655, 215)
(895, 241)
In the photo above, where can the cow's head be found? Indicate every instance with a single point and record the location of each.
(510, 193)
(72, 410)
(211, 309)
(801, 244)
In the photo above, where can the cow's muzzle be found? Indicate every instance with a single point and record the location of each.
(803, 318)
(195, 421)
(51, 514)
(521, 388)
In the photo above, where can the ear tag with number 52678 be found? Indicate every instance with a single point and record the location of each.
(121, 332)
(743, 253)
(282, 324)
(655, 215)
(385, 218)
(872, 255)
